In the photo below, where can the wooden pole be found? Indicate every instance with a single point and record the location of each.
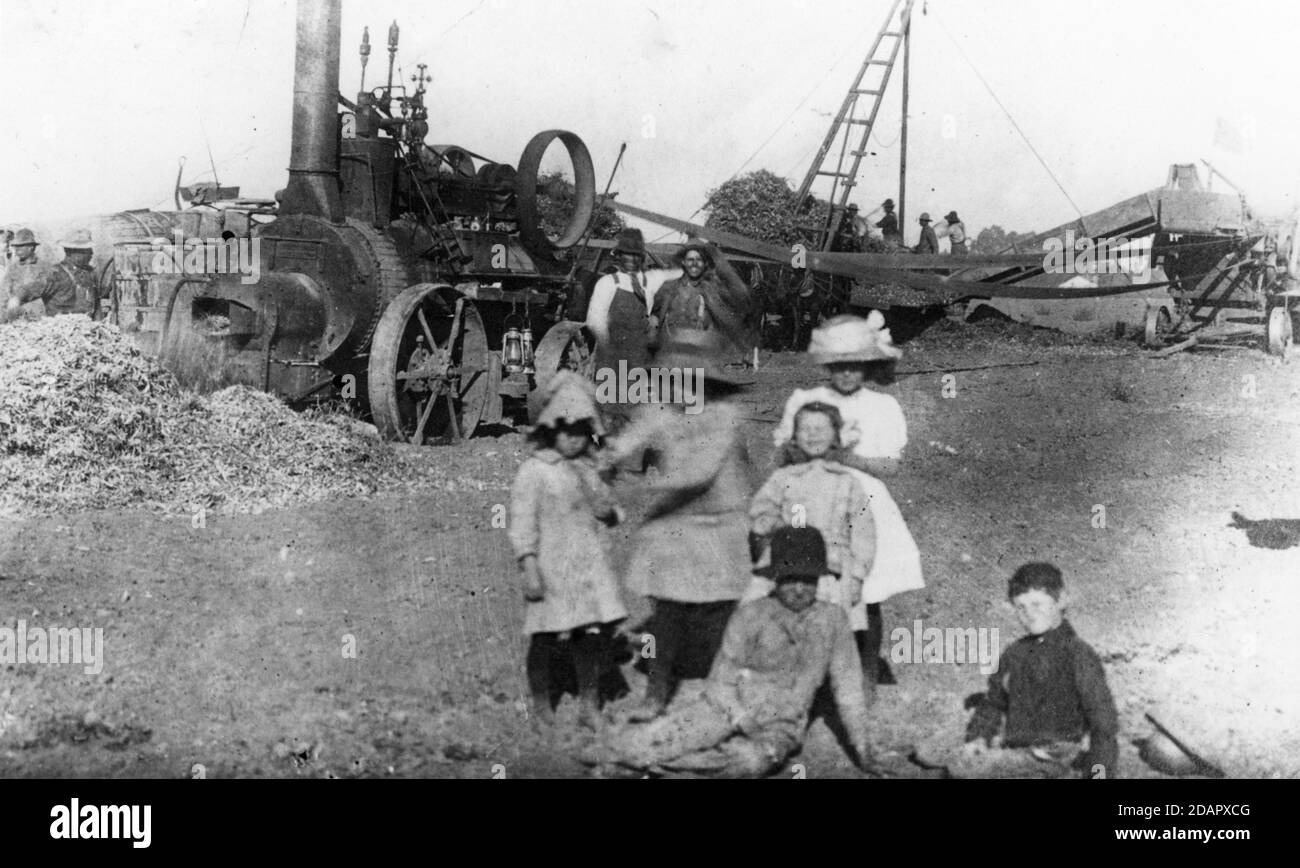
(902, 159)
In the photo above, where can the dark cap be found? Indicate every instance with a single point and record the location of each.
(630, 241)
(798, 554)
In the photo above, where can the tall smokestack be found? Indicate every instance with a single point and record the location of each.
(313, 164)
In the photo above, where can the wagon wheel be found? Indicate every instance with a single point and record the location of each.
(1158, 326)
(563, 348)
(428, 368)
(1279, 331)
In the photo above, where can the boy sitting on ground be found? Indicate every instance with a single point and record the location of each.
(776, 653)
(1052, 690)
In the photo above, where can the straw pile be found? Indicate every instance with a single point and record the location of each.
(87, 421)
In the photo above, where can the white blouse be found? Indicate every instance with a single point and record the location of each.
(873, 418)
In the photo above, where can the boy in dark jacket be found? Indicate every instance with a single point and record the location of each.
(1051, 690)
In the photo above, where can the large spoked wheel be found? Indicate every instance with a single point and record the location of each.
(563, 348)
(1279, 331)
(428, 369)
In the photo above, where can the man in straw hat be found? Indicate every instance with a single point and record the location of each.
(26, 281)
(753, 712)
(618, 316)
(691, 556)
(708, 295)
(929, 242)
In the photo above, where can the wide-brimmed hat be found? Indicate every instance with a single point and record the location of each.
(924, 218)
(630, 241)
(690, 349)
(952, 217)
(21, 237)
(78, 239)
(697, 244)
(797, 554)
(570, 398)
(888, 203)
(848, 338)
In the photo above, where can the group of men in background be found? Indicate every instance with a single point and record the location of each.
(854, 228)
(31, 287)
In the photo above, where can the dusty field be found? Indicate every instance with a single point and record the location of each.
(224, 644)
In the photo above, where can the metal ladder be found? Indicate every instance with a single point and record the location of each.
(883, 54)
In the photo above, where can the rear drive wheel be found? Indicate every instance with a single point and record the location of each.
(428, 368)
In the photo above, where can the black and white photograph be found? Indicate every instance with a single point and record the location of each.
(488, 389)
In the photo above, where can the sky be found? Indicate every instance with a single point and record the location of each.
(103, 99)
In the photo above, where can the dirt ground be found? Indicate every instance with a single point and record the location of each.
(224, 645)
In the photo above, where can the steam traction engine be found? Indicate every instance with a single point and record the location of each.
(418, 278)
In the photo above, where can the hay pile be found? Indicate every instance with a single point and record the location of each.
(87, 421)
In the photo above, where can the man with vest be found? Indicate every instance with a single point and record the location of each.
(709, 295)
(618, 315)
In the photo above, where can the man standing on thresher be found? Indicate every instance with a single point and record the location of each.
(956, 232)
(929, 243)
(888, 225)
